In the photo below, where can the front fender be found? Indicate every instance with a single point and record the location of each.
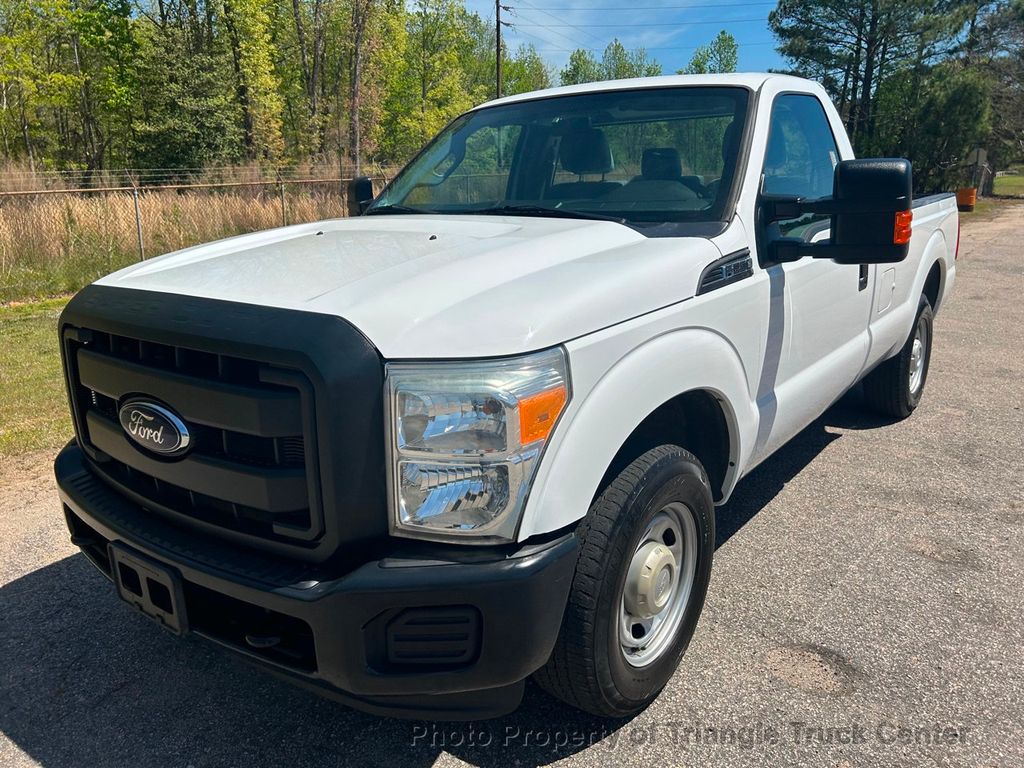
(612, 397)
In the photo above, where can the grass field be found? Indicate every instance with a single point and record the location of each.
(985, 207)
(55, 244)
(33, 407)
(1010, 184)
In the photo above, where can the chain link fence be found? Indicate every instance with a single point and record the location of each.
(57, 235)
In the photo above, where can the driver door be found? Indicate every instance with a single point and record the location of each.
(818, 338)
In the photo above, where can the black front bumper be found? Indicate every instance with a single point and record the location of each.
(444, 638)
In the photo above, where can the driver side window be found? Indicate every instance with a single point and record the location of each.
(800, 159)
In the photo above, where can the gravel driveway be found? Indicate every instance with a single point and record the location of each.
(866, 609)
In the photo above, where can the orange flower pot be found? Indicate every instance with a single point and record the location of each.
(966, 198)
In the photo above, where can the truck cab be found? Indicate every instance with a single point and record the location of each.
(478, 432)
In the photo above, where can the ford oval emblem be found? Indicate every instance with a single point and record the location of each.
(154, 427)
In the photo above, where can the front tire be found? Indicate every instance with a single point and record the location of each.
(646, 548)
(895, 387)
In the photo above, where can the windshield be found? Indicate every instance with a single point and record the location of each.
(643, 155)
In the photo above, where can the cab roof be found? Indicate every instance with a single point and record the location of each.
(752, 80)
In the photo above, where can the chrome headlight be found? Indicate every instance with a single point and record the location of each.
(465, 439)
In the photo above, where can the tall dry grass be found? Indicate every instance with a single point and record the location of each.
(57, 243)
(19, 176)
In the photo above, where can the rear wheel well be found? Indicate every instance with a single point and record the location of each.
(693, 420)
(932, 284)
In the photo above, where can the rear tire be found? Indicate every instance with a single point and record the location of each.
(646, 547)
(895, 387)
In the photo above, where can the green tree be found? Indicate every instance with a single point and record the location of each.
(720, 55)
(522, 70)
(256, 82)
(952, 117)
(582, 67)
(385, 77)
(299, 33)
(618, 63)
(67, 82)
(186, 118)
(851, 46)
(477, 57)
(103, 53)
(1000, 54)
(33, 46)
(525, 71)
(430, 88)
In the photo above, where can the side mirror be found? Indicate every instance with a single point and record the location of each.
(360, 195)
(870, 209)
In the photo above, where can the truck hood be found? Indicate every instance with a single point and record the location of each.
(442, 286)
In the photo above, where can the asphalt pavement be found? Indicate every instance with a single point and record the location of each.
(866, 609)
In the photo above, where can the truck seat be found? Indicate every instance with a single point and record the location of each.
(584, 152)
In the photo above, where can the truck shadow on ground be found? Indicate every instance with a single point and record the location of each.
(764, 483)
(87, 682)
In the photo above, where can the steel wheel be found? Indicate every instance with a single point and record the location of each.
(918, 358)
(646, 548)
(897, 385)
(658, 585)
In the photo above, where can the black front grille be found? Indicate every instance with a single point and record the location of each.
(230, 445)
(252, 467)
(285, 406)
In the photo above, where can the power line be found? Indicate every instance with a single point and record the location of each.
(590, 9)
(565, 36)
(548, 43)
(551, 16)
(721, 22)
(549, 46)
(646, 48)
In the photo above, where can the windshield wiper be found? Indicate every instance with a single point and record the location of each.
(384, 209)
(540, 210)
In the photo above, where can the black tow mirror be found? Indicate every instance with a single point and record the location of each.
(870, 209)
(360, 195)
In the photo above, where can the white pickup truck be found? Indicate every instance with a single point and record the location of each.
(479, 432)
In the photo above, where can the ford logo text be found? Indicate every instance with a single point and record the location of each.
(154, 427)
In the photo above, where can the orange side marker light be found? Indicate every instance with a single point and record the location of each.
(538, 413)
(901, 232)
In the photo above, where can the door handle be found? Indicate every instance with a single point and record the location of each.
(863, 283)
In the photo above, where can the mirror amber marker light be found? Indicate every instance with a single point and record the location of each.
(901, 232)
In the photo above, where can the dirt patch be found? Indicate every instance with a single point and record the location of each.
(27, 487)
(24, 477)
(812, 668)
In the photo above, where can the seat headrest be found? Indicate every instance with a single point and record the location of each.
(661, 164)
(586, 150)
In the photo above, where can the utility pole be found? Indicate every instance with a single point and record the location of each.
(497, 46)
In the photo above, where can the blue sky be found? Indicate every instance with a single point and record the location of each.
(668, 29)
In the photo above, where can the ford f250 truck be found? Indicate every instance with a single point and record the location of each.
(478, 433)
